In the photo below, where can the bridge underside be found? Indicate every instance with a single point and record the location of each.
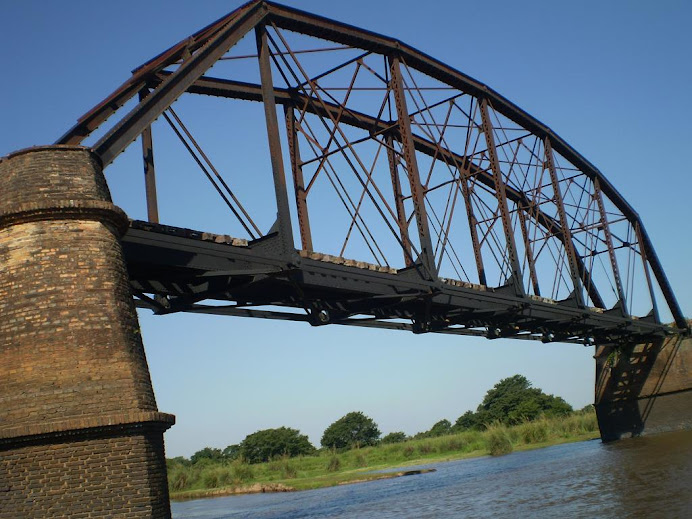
(180, 270)
(461, 212)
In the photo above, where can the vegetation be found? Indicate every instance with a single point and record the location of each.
(208, 453)
(513, 401)
(274, 443)
(441, 428)
(353, 430)
(513, 415)
(327, 467)
(394, 437)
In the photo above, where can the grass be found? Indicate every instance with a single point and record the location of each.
(328, 468)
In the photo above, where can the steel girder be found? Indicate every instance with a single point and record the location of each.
(530, 194)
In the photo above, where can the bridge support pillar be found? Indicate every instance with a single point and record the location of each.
(80, 433)
(644, 388)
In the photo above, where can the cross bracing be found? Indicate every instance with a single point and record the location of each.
(403, 194)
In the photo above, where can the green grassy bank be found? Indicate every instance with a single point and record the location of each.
(208, 478)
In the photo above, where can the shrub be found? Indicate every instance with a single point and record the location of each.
(360, 460)
(210, 477)
(534, 432)
(453, 444)
(242, 472)
(394, 437)
(179, 479)
(288, 471)
(498, 440)
(272, 443)
(334, 463)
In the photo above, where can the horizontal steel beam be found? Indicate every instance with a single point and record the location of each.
(183, 269)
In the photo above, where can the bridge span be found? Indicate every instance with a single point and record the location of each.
(399, 193)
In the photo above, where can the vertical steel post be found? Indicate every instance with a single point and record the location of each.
(501, 195)
(399, 201)
(609, 243)
(473, 224)
(298, 181)
(269, 102)
(567, 234)
(417, 193)
(149, 171)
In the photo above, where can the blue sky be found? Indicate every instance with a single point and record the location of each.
(611, 78)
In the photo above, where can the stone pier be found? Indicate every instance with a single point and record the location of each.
(644, 388)
(80, 433)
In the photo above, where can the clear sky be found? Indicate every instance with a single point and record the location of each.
(612, 78)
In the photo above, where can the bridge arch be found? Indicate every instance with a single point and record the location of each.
(488, 222)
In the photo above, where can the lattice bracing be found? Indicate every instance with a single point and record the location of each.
(472, 216)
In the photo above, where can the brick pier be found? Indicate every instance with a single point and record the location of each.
(644, 388)
(80, 433)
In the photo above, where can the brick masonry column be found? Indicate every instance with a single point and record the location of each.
(644, 388)
(80, 433)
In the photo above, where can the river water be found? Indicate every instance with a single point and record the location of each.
(635, 478)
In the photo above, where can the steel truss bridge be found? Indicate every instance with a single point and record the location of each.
(403, 193)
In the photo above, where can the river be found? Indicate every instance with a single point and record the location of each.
(635, 478)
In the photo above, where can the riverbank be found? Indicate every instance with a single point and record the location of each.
(212, 479)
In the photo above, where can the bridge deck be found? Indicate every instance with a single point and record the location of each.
(180, 270)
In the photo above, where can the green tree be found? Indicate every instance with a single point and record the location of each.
(440, 428)
(394, 437)
(231, 453)
(468, 420)
(208, 453)
(352, 430)
(513, 400)
(272, 443)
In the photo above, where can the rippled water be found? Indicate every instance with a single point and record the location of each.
(638, 478)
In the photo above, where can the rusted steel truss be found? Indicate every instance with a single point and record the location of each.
(455, 205)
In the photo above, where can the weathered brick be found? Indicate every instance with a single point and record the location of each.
(80, 434)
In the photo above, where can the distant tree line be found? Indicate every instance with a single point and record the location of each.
(511, 401)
